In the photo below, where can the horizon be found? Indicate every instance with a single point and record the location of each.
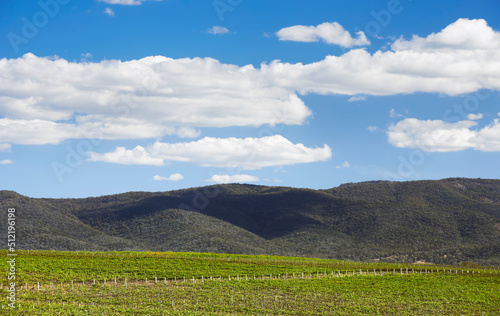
(252, 184)
(102, 97)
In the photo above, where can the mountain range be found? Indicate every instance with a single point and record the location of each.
(447, 221)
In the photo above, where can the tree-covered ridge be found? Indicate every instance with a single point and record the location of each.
(445, 221)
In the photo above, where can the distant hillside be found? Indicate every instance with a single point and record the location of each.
(445, 221)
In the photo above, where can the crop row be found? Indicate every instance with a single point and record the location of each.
(363, 295)
(51, 266)
(280, 276)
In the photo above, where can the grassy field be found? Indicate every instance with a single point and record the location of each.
(131, 283)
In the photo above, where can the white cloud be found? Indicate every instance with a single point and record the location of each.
(404, 69)
(167, 96)
(394, 114)
(331, 33)
(42, 132)
(86, 57)
(127, 2)
(345, 164)
(474, 117)
(357, 98)
(162, 95)
(5, 162)
(109, 12)
(463, 34)
(440, 136)
(244, 153)
(372, 128)
(172, 177)
(136, 156)
(488, 138)
(35, 132)
(218, 30)
(237, 178)
(187, 132)
(5, 146)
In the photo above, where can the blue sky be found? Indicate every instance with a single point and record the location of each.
(104, 97)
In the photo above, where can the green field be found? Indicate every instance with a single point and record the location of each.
(146, 283)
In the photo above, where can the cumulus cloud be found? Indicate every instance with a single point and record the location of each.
(463, 34)
(357, 98)
(218, 30)
(167, 96)
(372, 128)
(409, 67)
(42, 132)
(237, 178)
(331, 33)
(35, 132)
(245, 153)
(160, 94)
(109, 12)
(5, 147)
(136, 156)
(127, 2)
(474, 117)
(440, 136)
(5, 162)
(172, 177)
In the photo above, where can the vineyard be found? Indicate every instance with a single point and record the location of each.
(147, 283)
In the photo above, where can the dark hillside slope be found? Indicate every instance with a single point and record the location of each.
(445, 221)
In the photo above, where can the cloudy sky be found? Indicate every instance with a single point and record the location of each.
(107, 96)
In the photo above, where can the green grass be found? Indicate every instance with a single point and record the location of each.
(49, 275)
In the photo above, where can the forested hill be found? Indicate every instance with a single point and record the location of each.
(445, 221)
